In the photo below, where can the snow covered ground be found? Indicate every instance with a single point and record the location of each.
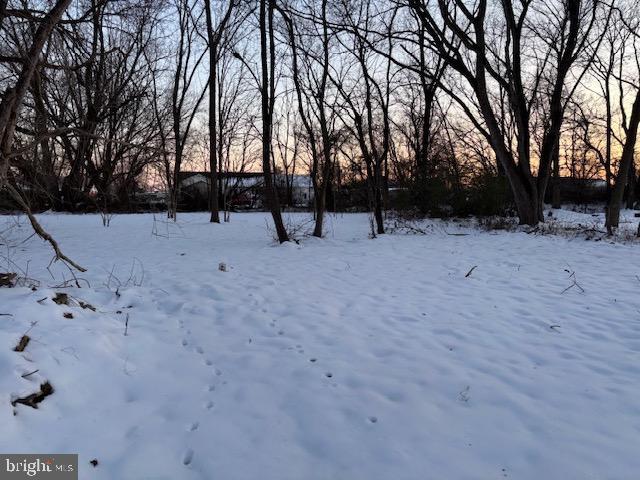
(345, 358)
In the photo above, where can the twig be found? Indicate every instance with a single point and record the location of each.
(133, 275)
(111, 275)
(25, 375)
(411, 227)
(471, 271)
(574, 284)
(33, 324)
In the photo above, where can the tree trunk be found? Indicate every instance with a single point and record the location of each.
(319, 213)
(556, 201)
(213, 150)
(632, 186)
(378, 210)
(213, 130)
(529, 202)
(267, 60)
(172, 206)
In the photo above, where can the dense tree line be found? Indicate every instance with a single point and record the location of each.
(454, 103)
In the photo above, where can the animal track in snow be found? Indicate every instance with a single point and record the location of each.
(187, 458)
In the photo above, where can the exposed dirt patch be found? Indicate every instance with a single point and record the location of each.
(61, 299)
(8, 279)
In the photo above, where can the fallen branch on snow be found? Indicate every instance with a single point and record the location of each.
(22, 344)
(572, 275)
(40, 231)
(35, 398)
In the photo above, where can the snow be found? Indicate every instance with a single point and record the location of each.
(341, 358)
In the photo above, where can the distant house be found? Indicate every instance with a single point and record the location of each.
(300, 189)
(242, 190)
(150, 201)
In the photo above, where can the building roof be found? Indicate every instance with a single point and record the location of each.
(243, 179)
(300, 181)
(184, 175)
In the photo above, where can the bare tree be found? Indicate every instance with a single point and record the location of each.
(215, 34)
(185, 96)
(268, 93)
(366, 93)
(102, 93)
(12, 100)
(312, 93)
(626, 166)
(560, 32)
